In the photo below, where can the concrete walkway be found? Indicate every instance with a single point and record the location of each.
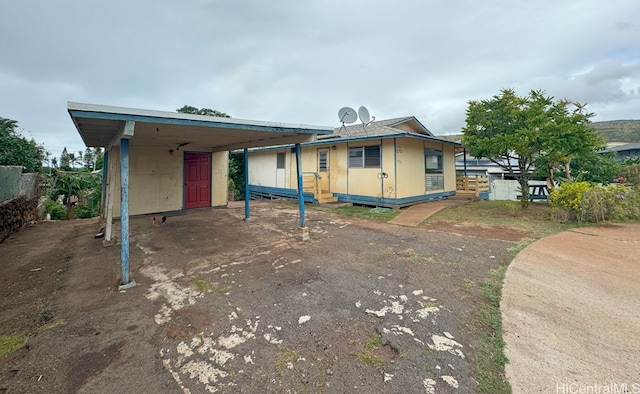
(571, 311)
(416, 214)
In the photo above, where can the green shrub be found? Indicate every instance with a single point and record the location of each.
(89, 206)
(584, 203)
(631, 174)
(569, 196)
(55, 209)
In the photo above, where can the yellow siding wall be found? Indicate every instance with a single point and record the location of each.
(410, 161)
(262, 168)
(410, 167)
(388, 166)
(339, 168)
(363, 181)
(402, 160)
(449, 166)
(156, 179)
(219, 178)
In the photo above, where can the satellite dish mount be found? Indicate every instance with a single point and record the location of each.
(365, 118)
(347, 115)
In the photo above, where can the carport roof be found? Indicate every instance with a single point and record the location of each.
(102, 126)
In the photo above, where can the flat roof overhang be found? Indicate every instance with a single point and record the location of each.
(102, 126)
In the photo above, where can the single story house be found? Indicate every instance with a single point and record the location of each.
(388, 163)
(158, 162)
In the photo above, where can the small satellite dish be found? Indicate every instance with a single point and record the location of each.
(347, 115)
(363, 112)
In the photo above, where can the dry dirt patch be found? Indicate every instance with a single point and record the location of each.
(227, 305)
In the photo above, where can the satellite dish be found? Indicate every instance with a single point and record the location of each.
(363, 112)
(347, 115)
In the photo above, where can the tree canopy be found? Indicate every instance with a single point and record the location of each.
(16, 150)
(522, 134)
(188, 109)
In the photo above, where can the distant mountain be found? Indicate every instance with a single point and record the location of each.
(618, 130)
(610, 130)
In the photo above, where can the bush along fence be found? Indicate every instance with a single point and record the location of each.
(582, 202)
(16, 212)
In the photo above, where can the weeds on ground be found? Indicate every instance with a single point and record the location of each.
(362, 212)
(489, 361)
(285, 356)
(369, 346)
(11, 343)
(204, 286)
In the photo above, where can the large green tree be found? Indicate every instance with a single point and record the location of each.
(16, 150)
(522, 134)
(188, 109)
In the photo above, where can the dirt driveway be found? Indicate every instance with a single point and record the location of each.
(224, 305)
(571, 312)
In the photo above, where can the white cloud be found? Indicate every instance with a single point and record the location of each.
(300, 61)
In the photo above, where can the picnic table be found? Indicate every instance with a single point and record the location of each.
(537, 192)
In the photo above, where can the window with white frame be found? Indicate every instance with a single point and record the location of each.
(364, 157)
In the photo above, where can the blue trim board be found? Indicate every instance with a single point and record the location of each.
(390, 202)
(190, 122)
(268, 192)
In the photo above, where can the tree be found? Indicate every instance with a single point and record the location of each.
(521, 134)
(596, 168)
(92, 158)
(187, 109)
(81, 187)
(65, 160)
(567, 136)
(15, 150)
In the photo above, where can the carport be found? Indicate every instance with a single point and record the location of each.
(160, 142)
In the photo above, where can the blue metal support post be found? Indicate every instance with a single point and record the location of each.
(124, 214)
(246, 184)
(304, 232)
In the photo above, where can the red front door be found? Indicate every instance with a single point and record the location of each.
(197, 180)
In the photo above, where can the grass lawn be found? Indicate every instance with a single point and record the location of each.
(537, 221)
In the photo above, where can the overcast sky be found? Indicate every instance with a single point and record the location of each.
(300, 61)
